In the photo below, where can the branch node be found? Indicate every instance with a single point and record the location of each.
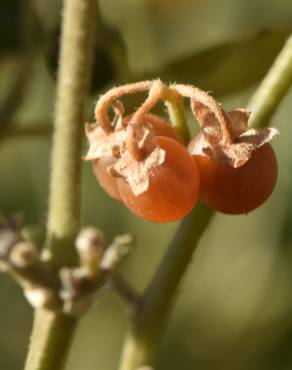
(39, 297)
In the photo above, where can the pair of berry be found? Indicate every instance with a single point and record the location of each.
(142, 161)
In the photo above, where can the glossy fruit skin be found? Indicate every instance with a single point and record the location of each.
(160, 126)
(238, 190)
(173, 186)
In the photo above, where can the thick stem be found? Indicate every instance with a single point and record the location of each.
(53, 331)
(273, 88)
(74, 71)
(147, 324)
(50, 341)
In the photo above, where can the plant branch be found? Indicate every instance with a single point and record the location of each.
(273, 88)
(75, 64)
(51, 338)
(125, 291)
(147, 324)
(53, 331)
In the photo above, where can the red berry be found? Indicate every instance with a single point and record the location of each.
(173, 186)
(236, 190)
(160, 126)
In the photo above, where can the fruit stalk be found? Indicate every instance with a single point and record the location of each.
(147, 325)
(174, 105)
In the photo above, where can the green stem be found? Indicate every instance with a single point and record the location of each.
(149, 322)
(64, 202)
(50, 341)
(147, 325)
(53, 331)
(273, 88)
(174, 104)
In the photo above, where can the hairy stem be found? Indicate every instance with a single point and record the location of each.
(273, 88)
(53, 331)
(50, 341)
(147, 324)
(64, 202)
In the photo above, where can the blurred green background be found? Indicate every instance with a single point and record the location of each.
(234, 310)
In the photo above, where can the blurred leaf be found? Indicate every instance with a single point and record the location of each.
(230, 67)
(158, 32)
(223, 69)
(10, 14)
(48, 13)
(280, 357)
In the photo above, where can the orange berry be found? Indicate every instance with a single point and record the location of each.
(237, 190)
(173, 185)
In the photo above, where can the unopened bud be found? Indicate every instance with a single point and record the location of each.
(23, 254)
(89, 244)
(8, 238)
(117, 251)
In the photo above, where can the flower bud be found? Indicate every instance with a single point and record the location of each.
(117, 251)
(23, 254)
(89, 244)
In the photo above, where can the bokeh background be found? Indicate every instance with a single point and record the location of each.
(234, 309)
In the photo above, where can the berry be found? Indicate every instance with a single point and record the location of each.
(236, 190)
(173, 185)
(107, 181)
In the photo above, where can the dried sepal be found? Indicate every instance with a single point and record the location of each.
(239, 121)
(102, 144)
(137, 172)
(238, 147)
